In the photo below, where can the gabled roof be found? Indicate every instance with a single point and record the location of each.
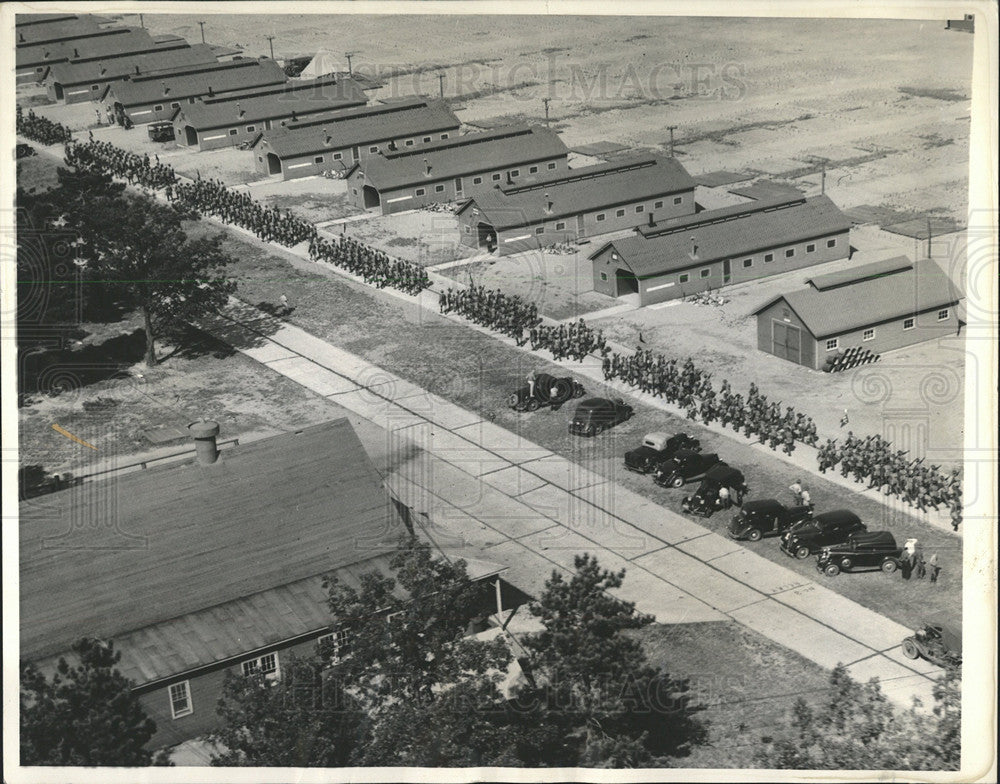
(360, 126)
(511, 145)
(105, 43)
(584, 190)
(234, 109)
(870, 294)
(735, 235)
(60, 30)
(110, 557)
(217, 77)
(96, 71)
(27, 20)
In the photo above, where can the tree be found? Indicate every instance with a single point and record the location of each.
(597, 701)
(84, 715)
(857, 728)
(138, 251)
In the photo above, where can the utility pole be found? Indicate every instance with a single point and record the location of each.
(202, 26)
(546, 102)
(822, 180)
(928, 237)
(671, 128)
(141, 23)
(441, 84)
(270, 41)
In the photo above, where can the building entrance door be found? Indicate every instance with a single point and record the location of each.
(786, 341)
(727, 272)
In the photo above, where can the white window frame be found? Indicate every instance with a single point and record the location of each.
(515, 172)
(552, 165)
(341, 643)
(158, 107)
(186, 687)
(444, 136)
(252, 666)
(705, 273)
(373, 148)
(747, 263)
(811, 247)
(639, 208)
(831, 243)
(868, 334)
(619, 213)
(496, 177)
(604, 276)
(338, 156)
(477, 180)
(768, 257)
(678, 199)
(684, 277)
(832, 344)
(532, 170)
(944, 314)
(561, 226)
(657, 205)
(408, 143)
(234, 131)
(175, 105)
(539, 230)
(420, 192)
(251, 128)
(439, 188)
(789, 253)
(427, 138)
(909, 323)
(601, 217)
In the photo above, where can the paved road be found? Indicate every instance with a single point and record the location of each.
(487, 493)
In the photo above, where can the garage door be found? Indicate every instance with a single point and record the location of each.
(786, 341)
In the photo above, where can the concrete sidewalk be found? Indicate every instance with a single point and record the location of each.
(489, 493)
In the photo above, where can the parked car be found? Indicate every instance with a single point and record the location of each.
(938, 641)
(162, 131)
(595, 415)
(656, 448)
(549, 391)
(812, 535)
(876, 549)
(766, 517)
(685, 465)
(706, 500)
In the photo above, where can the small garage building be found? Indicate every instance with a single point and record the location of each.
(335, 141)
(454, 168)
(155, 97)
(76, 81)
(576, 203)
(882, 306)
(227, 121)
(715, 248)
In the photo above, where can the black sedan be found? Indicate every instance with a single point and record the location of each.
(766, 517)
(657, 447)
(812, 535)
(684, 466)
(595, 415)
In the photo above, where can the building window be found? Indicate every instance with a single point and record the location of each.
(468, 229)
(831, 243)
(832, 343)
(439, 189)
(477, 180)
(337, 644)
(419, 192)
(604, 276)
(515, 173)
(338, 156)
(811, 247)
(869, 334)
(908, 323)
(532, 170)
(600, 217)
(678, 199)
(639, 208)
(684, 277)
(180, 699)
(158, 107)
(496, 178)
(706, 272)
(943, 315)
(560, 225)
(768, 257)
(95, 87)
(551, 166)
(251, 128)
(175, 106)
(318, 159)
(789, 253)
(266, 665)
(408, 142)
(373, 148)
(444, 136)
(657, 205)
(747, 263)
(539, 230)
(619, 213)
(427, 138)
(233, 131)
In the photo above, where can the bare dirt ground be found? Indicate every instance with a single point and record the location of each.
(426, 237)
(316, 199)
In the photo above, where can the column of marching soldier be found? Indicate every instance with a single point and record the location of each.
(869, 460)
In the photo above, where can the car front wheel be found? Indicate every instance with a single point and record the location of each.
(754, 534)
(677, 481)
(802, 553)
(889, 566)
(910, 649)
(832, 570)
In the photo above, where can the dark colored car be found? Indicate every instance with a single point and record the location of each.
(656, 448)
(812, 535)
(767, 517)
(876, 549)
(937, 641)
(160, 131)
(706, 500)
(595, 415)
(683, 466)
(549, 391)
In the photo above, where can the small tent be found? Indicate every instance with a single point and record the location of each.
(325, 62)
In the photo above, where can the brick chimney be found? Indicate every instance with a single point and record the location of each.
(204, 433)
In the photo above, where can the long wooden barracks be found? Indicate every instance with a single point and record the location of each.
(145, 99)
(881, 306)
(576, 203)
(715, 248)
(209, 565)
(454, 168)
(235, 118)
(335, 141)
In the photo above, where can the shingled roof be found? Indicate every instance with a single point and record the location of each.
(339, 130)
(215, 77)
(737, 234)
(583, 190)
(870, 294)
(115, 42)
(144, 64)
(111, 557)
(512, 145)
(59, 30)
(317, 95)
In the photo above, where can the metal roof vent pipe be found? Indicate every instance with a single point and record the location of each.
(210, 93)
(239, 110)
(694, 248)
(204, 433)
(651, 221)
(427, 168)
(137, 67)
(548, 205)
(166, 89)
(76, 52)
